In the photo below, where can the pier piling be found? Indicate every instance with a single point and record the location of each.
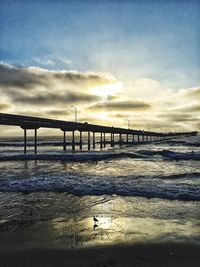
(35, 142)
(88, 140)
(81, 141)
(73, 141)
(25, 140)
(34, 123)
(93, 139)
(64, 140)
(101, 140)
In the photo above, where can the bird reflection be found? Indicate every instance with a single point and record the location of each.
(95, 226)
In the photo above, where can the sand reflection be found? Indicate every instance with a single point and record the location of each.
(67, 221)
(81, 233)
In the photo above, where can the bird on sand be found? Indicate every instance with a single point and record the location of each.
(95, 219)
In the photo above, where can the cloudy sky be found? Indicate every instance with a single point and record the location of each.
(114, 60)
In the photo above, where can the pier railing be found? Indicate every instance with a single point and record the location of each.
(34, 123)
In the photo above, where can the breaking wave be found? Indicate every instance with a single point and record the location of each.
(145, 186)
(106, 155)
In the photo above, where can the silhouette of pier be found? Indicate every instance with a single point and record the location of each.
(116, 134)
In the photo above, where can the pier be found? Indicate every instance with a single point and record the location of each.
(117, 136)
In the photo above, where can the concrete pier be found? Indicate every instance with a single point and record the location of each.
(34, 123)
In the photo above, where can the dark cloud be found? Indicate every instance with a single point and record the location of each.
(27, 78)
(191, 109)
(54, 99)
(38, 87)
(112, 97)
(4, 106)
(120, 105)
(59, 112)
(120, 115)
(18, 77)
(178, 117)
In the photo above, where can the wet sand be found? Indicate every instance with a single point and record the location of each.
(184, 255)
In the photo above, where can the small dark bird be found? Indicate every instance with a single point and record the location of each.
(95, 219)
(95, 226)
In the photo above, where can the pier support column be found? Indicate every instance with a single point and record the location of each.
(143, 138)
(81, 141)
(73, 141)
(35, 141)
(101, 140)
(25, 139)
(127, 139)
(93, 139)
(104, 139)
(88, 140)
(133, 139)
(113, 139)
(64, 140)
(120, 139)
(138, 138)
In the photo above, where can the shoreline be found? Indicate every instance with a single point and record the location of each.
(142, 255)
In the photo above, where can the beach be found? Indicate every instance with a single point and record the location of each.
(147, 207)
(99, 133)
(139, 255)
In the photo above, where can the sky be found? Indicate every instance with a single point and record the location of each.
(113, 60)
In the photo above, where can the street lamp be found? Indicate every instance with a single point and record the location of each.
(75, 112)
(129, 123)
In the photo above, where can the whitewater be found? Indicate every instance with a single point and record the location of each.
(148, 183)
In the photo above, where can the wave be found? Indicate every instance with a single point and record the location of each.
(146, 186)
(98, 156)
(191, 175)
(181, 156)
(31, 144)
(182, 143)
(73, 157)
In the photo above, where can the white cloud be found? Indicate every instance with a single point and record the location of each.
(99, 97)
(45, 61)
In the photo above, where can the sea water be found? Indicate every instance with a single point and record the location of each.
(139, 193)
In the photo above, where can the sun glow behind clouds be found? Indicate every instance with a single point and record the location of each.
(107, 90)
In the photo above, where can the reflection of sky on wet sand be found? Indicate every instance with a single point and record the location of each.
(125, 230)
(61, 220)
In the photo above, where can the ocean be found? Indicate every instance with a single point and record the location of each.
(140, 193)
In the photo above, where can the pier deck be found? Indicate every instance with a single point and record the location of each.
(34, 123)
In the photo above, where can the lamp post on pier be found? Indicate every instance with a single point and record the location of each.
(75, 112)
(129, 123)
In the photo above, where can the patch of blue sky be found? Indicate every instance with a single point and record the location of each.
(137, 39)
